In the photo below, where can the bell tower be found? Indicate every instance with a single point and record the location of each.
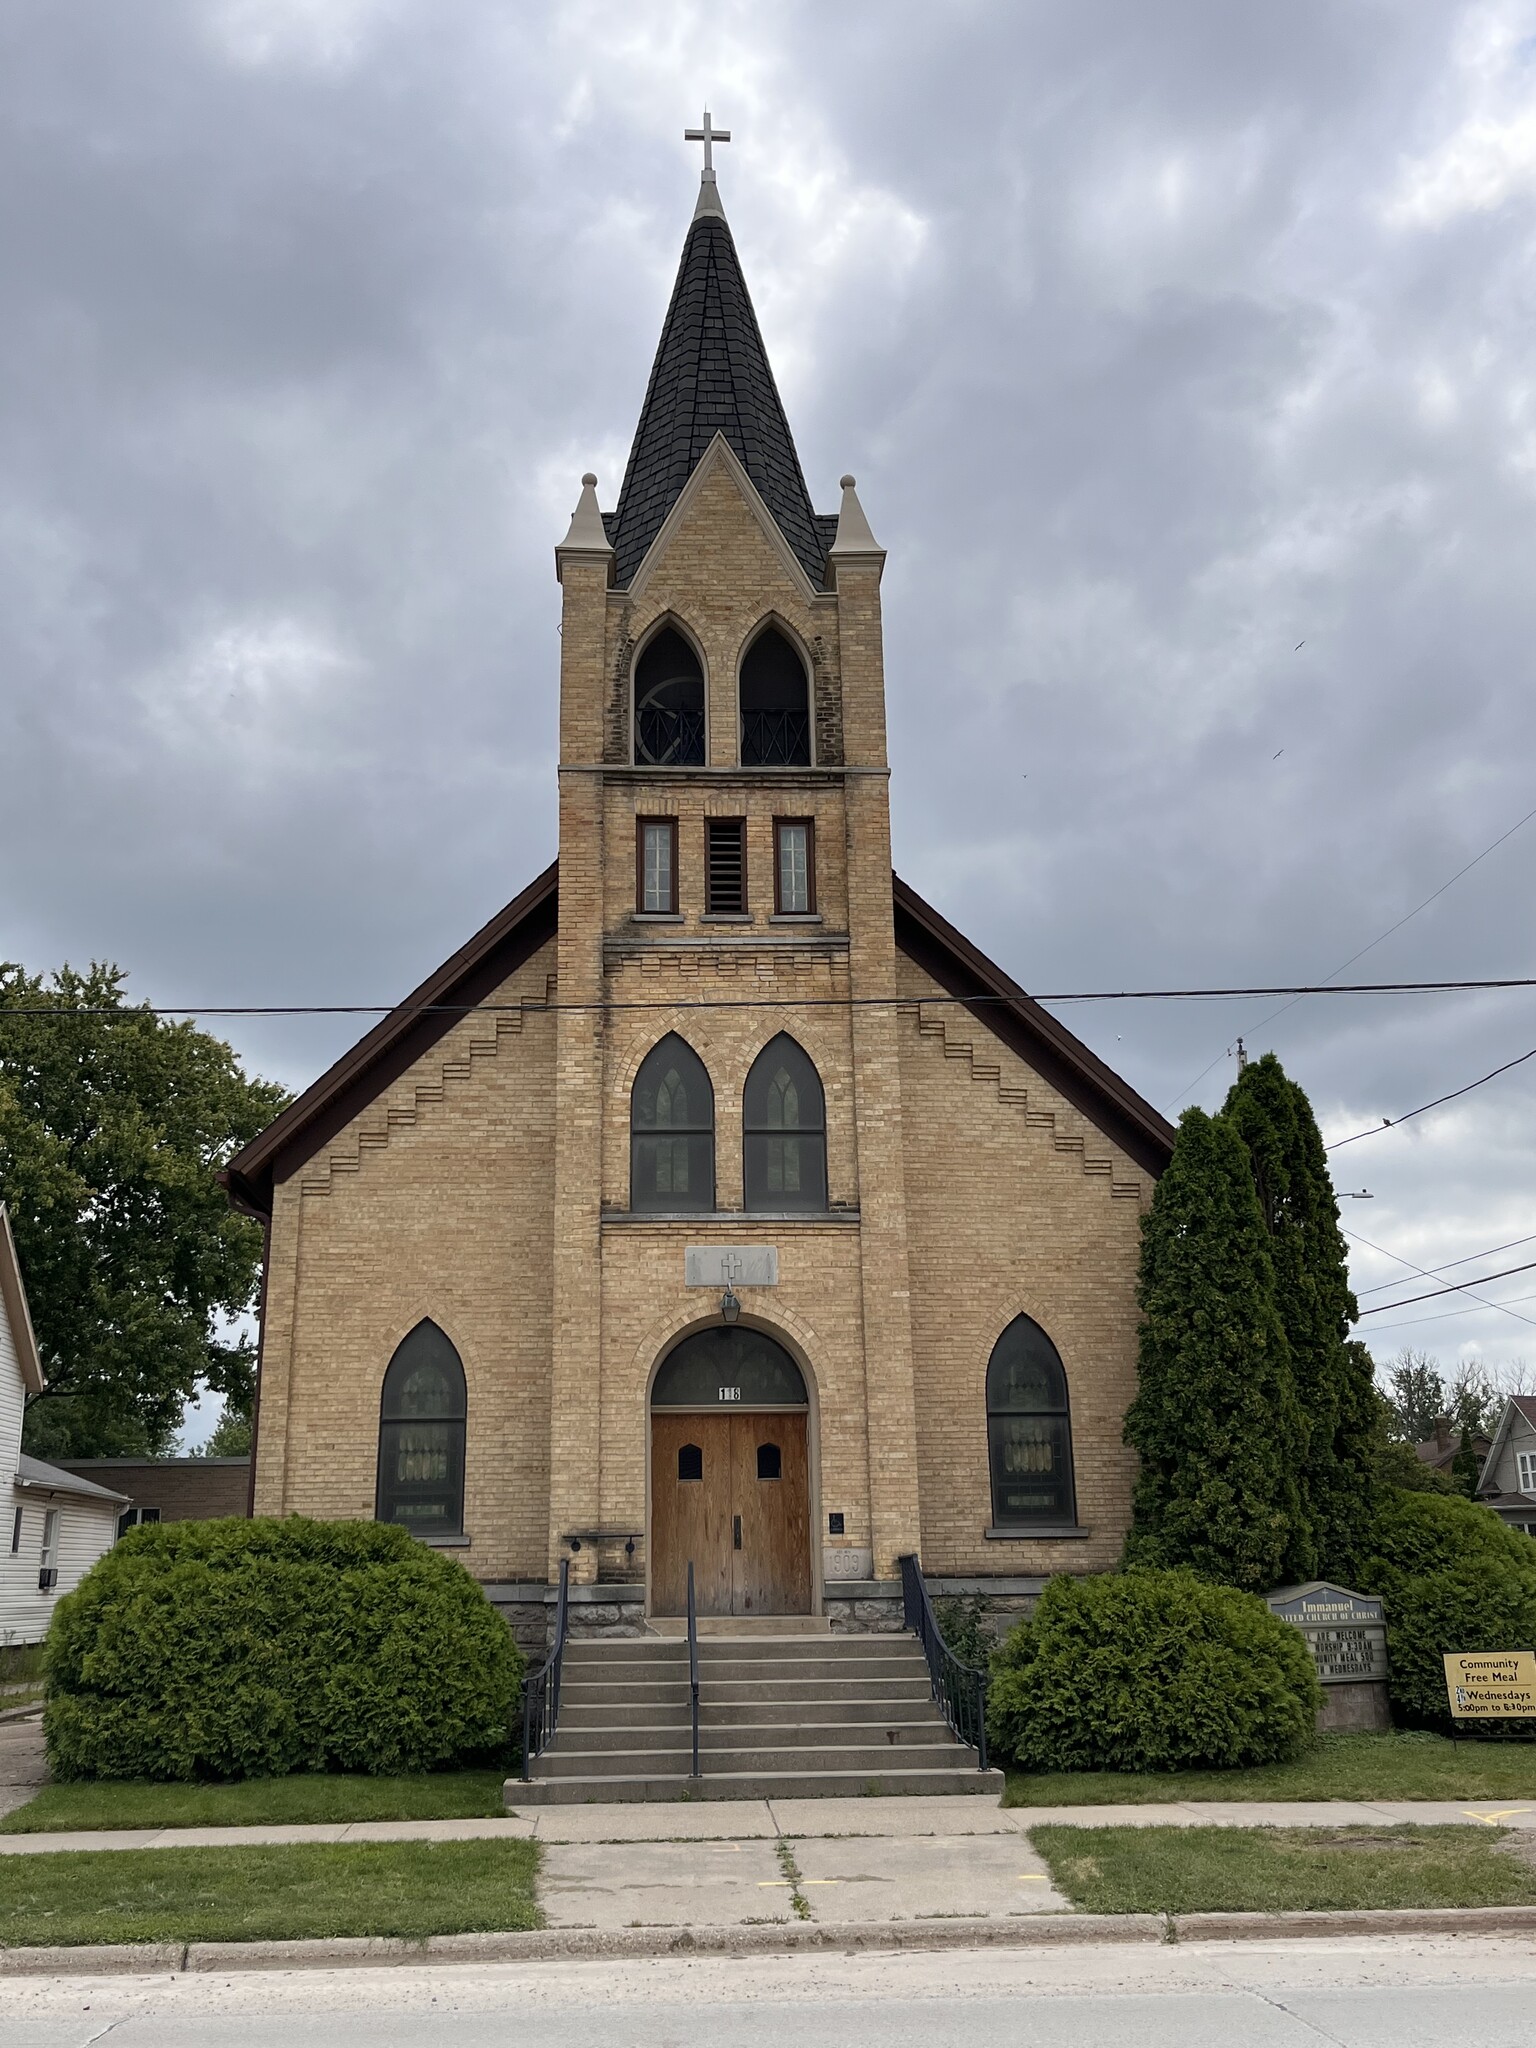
(724, 877)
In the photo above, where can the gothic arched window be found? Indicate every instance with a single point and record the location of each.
(669, 703)
(421, 1436)
(672, 1130)
(775, 705)
(1029, 1430)
(784, 1130)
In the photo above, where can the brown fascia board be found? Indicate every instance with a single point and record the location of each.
(394, 1044)
(1108, 1102)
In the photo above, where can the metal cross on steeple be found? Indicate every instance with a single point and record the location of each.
(708, 135)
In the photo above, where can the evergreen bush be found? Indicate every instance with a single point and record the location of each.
(1454, 1577)
(1220, 1433)
(243, 1649)
(1151, 1671)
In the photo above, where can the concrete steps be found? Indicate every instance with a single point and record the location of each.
(793, 1714)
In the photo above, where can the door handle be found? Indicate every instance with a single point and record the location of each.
(736, 1532)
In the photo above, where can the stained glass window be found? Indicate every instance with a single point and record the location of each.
(784, 1130)
(672, 1131)
(421, 1436)
(1029, 1429)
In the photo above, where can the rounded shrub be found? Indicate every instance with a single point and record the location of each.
(1454, 1578)
(1151, 1671)
(245, 1649)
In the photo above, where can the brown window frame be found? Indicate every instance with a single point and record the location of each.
(810, 868)
(711, 908)
(641, 825)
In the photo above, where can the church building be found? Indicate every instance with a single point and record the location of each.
(718, 1202)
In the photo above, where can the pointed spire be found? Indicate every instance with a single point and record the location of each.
(854, 540)
(587, 535)
(711, 376)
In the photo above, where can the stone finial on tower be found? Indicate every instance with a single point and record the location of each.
(854, 540)
(586, 540)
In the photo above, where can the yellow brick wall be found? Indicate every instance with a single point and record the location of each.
(1016, 1205)
(437, 1201)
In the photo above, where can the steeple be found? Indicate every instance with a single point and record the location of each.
(711, 376)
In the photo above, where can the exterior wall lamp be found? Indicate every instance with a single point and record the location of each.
(730, 1307)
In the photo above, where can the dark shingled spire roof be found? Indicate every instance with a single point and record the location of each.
(711, 376)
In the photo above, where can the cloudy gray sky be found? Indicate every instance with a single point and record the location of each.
(1182, 350)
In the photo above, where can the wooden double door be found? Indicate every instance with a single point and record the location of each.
(731, 1491)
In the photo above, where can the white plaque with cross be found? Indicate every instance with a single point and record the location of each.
(731, 1265)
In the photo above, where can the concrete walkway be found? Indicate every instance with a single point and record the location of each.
(768, 1821)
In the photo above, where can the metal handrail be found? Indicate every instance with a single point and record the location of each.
(693, 1667)
(959, 1690)
(541, 1695)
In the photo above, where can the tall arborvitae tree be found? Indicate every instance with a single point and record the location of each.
(1216, 1420)
(1334, 1379)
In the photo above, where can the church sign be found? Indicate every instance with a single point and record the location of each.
(1346, 1632)
(731, 1265)
(1492, 1686)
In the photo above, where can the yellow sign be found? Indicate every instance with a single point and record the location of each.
(1496, 1686)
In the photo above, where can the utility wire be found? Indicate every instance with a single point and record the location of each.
(773, 1002)
(1414, 1322)
(1297, 994)
(1431, 1272)
(1399, 1260)
(1390, 1123)
(1456, 1287)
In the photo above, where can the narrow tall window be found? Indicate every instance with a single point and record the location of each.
(669, 703)
(784, 1130)
(656, 865)
(794, 867)
(775, 705)
(1029, 1430)
(16, 1531)
(672, 1131)
(1527, 1464)
(725, 869)
(421, 1436)
(50, 1556)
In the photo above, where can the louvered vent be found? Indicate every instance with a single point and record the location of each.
(727, 870)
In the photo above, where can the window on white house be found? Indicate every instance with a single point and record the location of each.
(16, 1532)
(50, 1555)
(1526, 1461)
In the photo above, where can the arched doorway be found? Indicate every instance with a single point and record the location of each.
(730, 1476)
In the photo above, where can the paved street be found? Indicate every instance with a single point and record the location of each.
(1356, 1994)
(23, 1766)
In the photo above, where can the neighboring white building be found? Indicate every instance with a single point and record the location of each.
(55, 1526)
(1508, 1481)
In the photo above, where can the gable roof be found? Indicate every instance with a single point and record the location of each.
(32, 1472)
(394, 1044)
(13, 1304)
(1523, 1405)
(529, 920)
(711, 376)
(1057, 1056)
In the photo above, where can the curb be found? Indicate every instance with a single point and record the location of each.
(26, 1713)
(578, 1944)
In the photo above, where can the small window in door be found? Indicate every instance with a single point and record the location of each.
(690, 1462)
(770, 1462)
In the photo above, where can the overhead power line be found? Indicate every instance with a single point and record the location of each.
(1415, 1322)
(1397, 1259)
(784, 1002)
(1390, 1123)
(1297, 994)
(1431, 1272)
(1456, 1287)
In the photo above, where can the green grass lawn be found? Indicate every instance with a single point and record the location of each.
(1396, 1766)
(439, 1795)
(267, 1894)
(1199, 1870)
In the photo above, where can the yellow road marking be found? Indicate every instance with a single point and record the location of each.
(1491, 1820)
(1031, 1877)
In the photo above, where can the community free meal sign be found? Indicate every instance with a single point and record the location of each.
(1494, 1685)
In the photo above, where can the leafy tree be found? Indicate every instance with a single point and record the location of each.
(1466, 1466)
(230, 1436)
(1335, 1379)
(1398, 1467)
(113, 1125)
(1216, 1420)
(1417, 1393)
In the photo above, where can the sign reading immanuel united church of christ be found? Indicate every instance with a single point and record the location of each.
(1346, 1632)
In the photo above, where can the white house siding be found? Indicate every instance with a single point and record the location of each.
(87, 1530)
